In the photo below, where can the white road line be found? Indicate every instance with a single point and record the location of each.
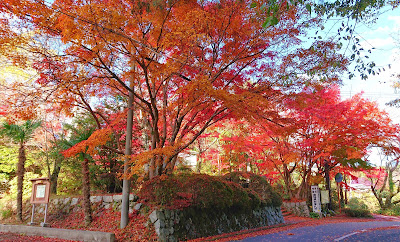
(343, 237)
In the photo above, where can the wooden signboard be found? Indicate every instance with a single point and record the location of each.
(316, 199)
(40, 190)
(40, 194)
(324, 196)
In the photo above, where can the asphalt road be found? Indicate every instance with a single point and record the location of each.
(376, 231)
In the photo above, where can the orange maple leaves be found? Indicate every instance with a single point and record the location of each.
(97, 139)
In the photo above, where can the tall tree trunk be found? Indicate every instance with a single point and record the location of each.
(54, 176)
(287, 181)
(328, 184)
(342, 201)
(128, 152)
(20, 179)
(391, 189)
(199, 157)
(345, 191)
(87, 208)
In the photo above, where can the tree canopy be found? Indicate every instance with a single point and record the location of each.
(188, 64)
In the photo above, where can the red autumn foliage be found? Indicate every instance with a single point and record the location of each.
(191, 63)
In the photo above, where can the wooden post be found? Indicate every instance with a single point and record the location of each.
(328, 184)
(338, 194)
(33, 215)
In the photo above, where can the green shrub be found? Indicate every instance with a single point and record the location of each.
(257, 184)
(393, 211)
(355, 203)
(7, 213)
(196, 191)
(358, 213)
(314, 215)
(356, 208)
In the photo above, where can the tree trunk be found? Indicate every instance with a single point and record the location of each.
(287, 181)
(341, 194)
(302, 192)
(345, 191)
(86, 192)
(199, 162)
(128, 152)
(20, 179)
(54, 176)
(328, 184)
(199, 157)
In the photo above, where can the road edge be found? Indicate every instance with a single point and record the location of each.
(68, 234)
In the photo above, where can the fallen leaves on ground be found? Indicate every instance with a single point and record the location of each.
(107, 220)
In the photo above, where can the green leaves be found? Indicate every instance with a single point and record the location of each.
(308, 7)
(270, 21)
(19, 133)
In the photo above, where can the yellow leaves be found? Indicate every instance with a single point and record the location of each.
(353, 153)
(316, 179)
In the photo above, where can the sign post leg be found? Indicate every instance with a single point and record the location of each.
(339, 198)
(33, 214)
(44, 224)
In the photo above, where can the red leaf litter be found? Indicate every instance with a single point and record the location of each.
(107, 220)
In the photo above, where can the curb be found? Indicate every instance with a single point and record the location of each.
(68, 234)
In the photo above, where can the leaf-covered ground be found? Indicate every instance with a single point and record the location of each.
(107, 220)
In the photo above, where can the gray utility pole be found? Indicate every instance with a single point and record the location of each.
(128, 152)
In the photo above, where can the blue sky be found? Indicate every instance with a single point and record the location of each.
(382, 35)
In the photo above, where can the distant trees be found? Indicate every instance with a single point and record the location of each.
(318, 132)
(384, 185)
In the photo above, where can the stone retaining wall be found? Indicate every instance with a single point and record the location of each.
(297, 208)
(68, 204)
(177, 225)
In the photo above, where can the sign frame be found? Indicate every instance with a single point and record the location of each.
(40, 190)
(40, 195)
